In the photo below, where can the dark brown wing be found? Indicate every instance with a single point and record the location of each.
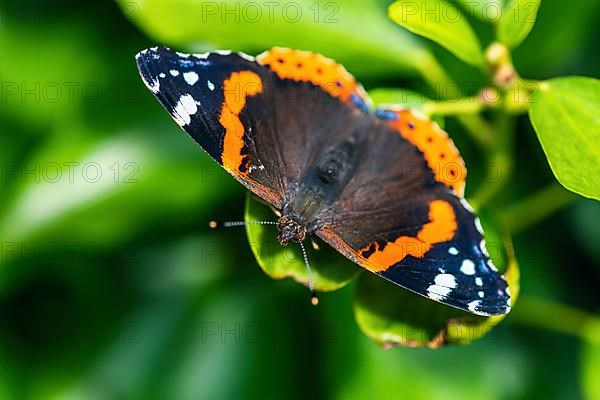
(398, 217)
(261, 120)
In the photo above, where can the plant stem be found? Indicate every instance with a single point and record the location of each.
(435, 75)
(479, 129)
(537, 206)
(467, 105)
(500, 162)
(553, 316)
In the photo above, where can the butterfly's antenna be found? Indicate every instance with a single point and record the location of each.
(313, 294)
(231, 224)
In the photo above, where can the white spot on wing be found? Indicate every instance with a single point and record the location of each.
(438, 293)
(183, 55)
(478, 281)
(223, 52)
(191, 77)
(472, 306)
(467, 267)
(211, 86)
(444, 283)
(185, 108)
(453, 250)
(446, 280)
(174, 72)
(481, 294)
(162, 75)
(256, 167)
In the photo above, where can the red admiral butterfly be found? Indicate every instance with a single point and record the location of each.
(384, 188)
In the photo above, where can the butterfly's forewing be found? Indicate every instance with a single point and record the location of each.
(221, 100)
(261, 120)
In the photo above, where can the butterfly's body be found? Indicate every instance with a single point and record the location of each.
(309, 203)
(383, 188)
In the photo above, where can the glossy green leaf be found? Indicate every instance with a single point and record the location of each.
(518, 18)
(571, 29)
(485, 10)
(441, 22)
(392, 316)
(330, 270)
(38, 96)
(564, 113)
(356, 33)
(76, 182)
(591, 360)
(455, 373)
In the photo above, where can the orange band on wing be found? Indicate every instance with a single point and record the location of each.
(440, 228)
(440, 152)
(305, 66)
(236, 89)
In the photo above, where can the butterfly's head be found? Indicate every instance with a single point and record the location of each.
(291, 229)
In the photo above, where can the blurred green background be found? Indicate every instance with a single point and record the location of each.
(113, 287)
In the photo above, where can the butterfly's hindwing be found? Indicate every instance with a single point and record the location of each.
(404, 221)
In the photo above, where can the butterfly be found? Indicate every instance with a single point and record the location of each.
(383, 187)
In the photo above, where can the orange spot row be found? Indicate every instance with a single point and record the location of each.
(440, 228)
(305, 66)
(236, 89)
(440, 152)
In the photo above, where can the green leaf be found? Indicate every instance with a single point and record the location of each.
(77, 181)
(441, 22)
(392, 316)
(591, 361)
(564, 113)
(330, 270)
(485, 10)
(351, 32)
(518, 18)
(71, 77)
